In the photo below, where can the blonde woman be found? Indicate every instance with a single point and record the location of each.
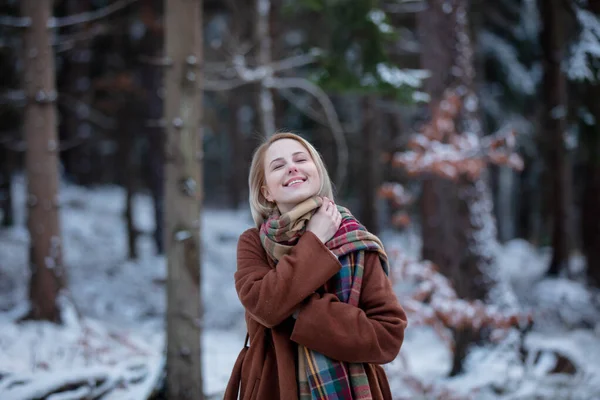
(320, 310)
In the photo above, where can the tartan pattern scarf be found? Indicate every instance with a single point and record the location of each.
(319, 377)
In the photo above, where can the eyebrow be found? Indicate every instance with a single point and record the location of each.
(281, 158)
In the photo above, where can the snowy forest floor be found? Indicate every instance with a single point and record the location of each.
(113, 337)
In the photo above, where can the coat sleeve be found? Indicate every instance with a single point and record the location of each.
(270, 295)
(372, 332)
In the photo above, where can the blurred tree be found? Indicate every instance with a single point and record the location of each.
(590, 142)
(506, 35)
(41, 162)
(554, 99)
(75, 85)
(10, 117)
(151, 48)
(360, 51)
(6, 199)
(370, 177)
(183, 196)
(458, 227)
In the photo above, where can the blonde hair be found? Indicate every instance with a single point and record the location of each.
(260, 207)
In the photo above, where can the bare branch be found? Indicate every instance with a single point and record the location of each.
(405, 7)
(14, 22)
(296, 61)
(15, 97)
(85, 112)
(223, 85)
(304, 108)
(89, 16)
(67, 43)
(330, 114)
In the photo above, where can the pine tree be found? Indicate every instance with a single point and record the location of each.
(183, 196)
(41, 163)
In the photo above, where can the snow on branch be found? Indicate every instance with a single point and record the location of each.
(587, 48)
(519, 77)
(402, 77)
(14, 22)
(433, 302)
(400, 199)
(440, 150)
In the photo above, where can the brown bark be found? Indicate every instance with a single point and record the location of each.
(370, 170)
(458, 227)
(265, 100)
(183, 196)
(554, 94)
(41, 163)
(448, 231)
(6, 200)
(590, 212)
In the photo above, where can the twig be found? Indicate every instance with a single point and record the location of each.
(91, 115)
(53, 23)
(330, 114)
(307, 110)
(225, 84)
(296, 61)
(89, 16)
(14, 22)
(12, 97)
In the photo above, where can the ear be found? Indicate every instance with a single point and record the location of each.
(266, 193)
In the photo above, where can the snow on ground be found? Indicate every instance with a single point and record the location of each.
(114, 334)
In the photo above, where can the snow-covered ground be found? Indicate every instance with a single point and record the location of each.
(114, 327)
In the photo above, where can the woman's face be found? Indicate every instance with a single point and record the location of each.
(291, 175)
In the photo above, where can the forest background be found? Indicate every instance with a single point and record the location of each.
(464, 132)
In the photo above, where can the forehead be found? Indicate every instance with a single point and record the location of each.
(283, 148)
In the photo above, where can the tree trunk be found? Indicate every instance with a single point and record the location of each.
(129, 177)
(458, 226)
(6, 200)
(453, 225)
(41, 163)
(152, 46)
(183, 196)
(370, 166)
(553, 95)
(590, 212)
(506, 206)
(236, 166)
(76, 75)
(266, 104)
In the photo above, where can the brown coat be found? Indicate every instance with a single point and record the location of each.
(371, 333)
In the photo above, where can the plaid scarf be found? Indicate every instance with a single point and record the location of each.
(319, 377)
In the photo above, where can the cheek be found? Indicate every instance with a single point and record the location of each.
(271, 181)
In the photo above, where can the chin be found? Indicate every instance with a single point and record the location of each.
(299, 197)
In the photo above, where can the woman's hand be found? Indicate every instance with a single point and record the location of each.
(326, 221)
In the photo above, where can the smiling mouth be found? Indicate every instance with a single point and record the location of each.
(295, 182)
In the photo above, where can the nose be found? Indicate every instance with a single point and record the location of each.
(292, 168)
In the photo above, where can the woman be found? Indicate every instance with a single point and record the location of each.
(320, 310)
